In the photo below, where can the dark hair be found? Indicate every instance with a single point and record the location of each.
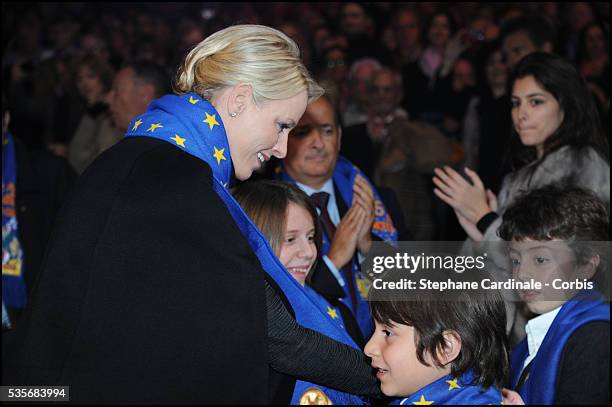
(99, 67)
(153, 74)
(481, 58)
(538, 30)
(581, 126)
(565, 212)
(479, 319)
(452, 25)
(337, 118)
(581, 51)
(557, 211)
(266, 203)
(320, 58)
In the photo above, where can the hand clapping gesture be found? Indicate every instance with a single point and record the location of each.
(363, 196)
(353, 231)
(469, 200)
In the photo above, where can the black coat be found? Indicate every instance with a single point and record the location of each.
(149, 292)
(43, 183)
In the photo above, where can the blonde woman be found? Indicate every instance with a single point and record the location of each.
(153, 287)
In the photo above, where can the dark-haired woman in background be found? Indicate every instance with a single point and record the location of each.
(556, 137)
(95, 133)
(556, 122)
(487, 124)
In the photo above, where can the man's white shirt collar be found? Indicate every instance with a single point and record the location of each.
(536, 331)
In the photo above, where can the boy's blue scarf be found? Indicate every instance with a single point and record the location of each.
(14, 294)
(450, 390)
(539, 387)
(344, 178)
(193, 125)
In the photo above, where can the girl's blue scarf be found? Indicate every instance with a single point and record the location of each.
(450, 390)
(344, 178)
(193, 125)
(540, 385)
(14, 294)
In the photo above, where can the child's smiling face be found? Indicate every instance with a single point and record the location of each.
(394, 355)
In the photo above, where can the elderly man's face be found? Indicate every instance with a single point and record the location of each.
(314, 144)
(361, 82)
(385, 93)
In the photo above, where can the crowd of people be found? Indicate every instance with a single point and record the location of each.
(172, 167)
(438, 72)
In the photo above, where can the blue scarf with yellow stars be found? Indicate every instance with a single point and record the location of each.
(449, 390)
(344, 178)
(193, 125)
(14, 294)
(540, 385)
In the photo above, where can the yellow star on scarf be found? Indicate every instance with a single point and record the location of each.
(219, 155)
(453, 384)
(422, 402)
(211, 120)
(225, 185)
(154, 126)
(178, 140)
(332, 312)
(193, 101)
(136, 124)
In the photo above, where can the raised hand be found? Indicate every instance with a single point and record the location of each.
(469, 200)
(344, 243)
(363, 195)
(469, 227)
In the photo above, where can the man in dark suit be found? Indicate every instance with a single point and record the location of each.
(312, 163)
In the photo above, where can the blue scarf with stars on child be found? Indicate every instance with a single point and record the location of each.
(193, 125)
(449, 390)
(344, 178)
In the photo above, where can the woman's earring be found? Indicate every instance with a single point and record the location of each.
(233, 114)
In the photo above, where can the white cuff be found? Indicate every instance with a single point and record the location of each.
(332, 267)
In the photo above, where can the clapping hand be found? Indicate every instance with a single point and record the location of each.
(353, 231)
(469, 227)
(344, 243)
(363, 196)
(468, 200)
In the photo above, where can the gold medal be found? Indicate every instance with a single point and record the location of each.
(315, 397)
(363, 286)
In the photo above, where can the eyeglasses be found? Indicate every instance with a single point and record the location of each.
(332, 63)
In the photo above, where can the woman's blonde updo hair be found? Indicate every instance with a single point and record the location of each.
(261, 56)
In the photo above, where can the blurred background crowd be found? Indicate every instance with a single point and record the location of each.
(416, 85)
